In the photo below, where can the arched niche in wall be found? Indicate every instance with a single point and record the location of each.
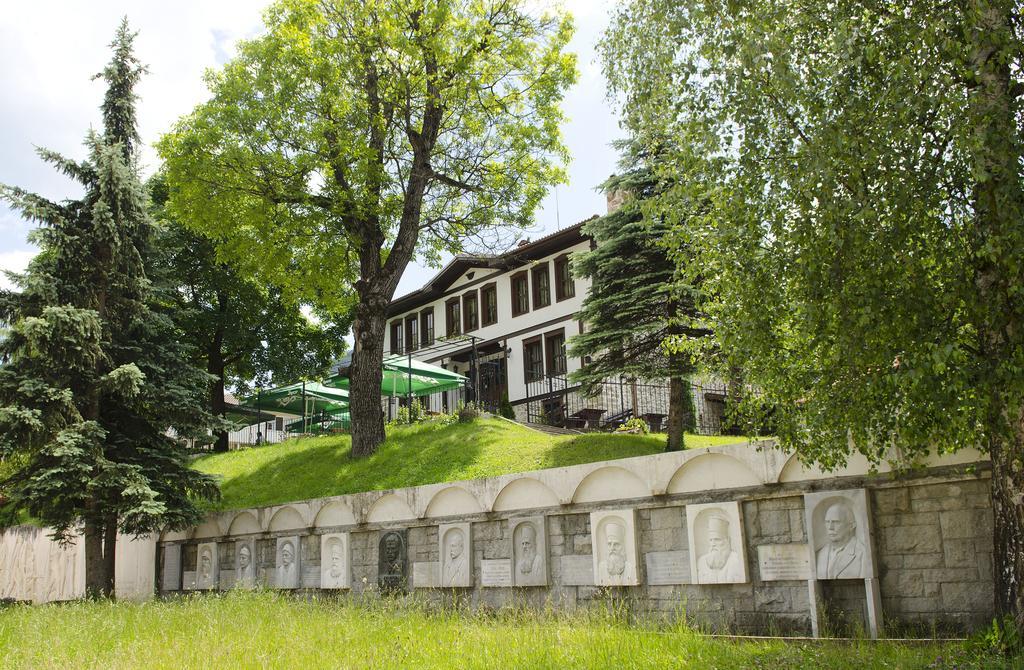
(452, 501)
(610, 483)
(524, 493)
(389, 507)
(243, 524)
(712, 471)
(286, 518)
(173, 536)
(208, 528)
(334, 513)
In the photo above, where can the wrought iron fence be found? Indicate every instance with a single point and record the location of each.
(556, 401)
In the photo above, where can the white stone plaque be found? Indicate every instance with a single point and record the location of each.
(667, 567)
(287, 574)
(529, 551)
(781, 562)
(496, 573)
(171, 576)
(426, 575)
(717, 550)
(613, 539)
(839, 533)
(206, 566)
(245, 564)
(455, 546)
(227, 579)
(188, 580)
(335, 559)
(577, 570)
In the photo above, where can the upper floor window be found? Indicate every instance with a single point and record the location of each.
(541, 286)
(565, 287)
(470, 314)
(396, 337)
(520, 294)
(489, 298)
(453, 317)
(412, 334)
(427, 327)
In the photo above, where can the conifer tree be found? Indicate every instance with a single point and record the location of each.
(96, 391)
(638, 309)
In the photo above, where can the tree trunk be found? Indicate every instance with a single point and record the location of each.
(215, 366)
(998, 209)
(676, 412)
(95, 566)
(365, 379)
(109, 556)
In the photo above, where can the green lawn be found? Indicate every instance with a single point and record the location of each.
(413, 455)
(269, 630)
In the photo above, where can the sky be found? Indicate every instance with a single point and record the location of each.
(50, 50)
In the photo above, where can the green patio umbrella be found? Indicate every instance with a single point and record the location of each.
(303, 398)
(403, 375)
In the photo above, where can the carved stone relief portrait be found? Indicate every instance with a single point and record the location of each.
(838, 526)
(287, 575)
(207, 566)
(334, 561)
(456, 555)
(529, 552)
(613, 536)
(717, 549)
(245, 565)
(391, 561)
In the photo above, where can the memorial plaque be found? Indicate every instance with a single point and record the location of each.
(188, 580)
(287, 574)
(455, 547)
(778, 562)
(227, 579)
(245, 564)
(667, 567)
(426, 575)
(529, 551)
(310, 576)
(207, 566)
(717, 551)
(839, 534)
(577, 571)
(171, 577)
(392, 561)
(496, 573)
(613, 538)
(335, 558)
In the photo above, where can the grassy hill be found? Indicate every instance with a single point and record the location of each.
(413, 455)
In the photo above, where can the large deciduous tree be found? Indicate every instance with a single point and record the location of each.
(865, 236)
(243, 332)
(638, 308)
(353, 136)
(92, 376)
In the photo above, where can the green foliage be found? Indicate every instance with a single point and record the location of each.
(243, 330)
(634, 425)
(93, 374)
(236, 628)
(637, 307)
(414, 413)
(467, 413)
(316, 131)
(423, 453)
(505, 407)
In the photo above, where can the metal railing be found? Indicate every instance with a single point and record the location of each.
(554, 400)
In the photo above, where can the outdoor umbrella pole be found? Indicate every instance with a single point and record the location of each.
(408, 395)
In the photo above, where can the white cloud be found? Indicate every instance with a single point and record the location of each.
(14, 261)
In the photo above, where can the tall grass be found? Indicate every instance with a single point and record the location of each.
(272, 630)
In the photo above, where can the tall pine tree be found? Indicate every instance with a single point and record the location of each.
(638, 310)
(96, 389)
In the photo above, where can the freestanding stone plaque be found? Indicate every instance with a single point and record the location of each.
(335, 559)
(456, 553)
(529, 551)
(391, 561)
(207, 566)
(613, 538)
(717, 549)
(287, 574)
(171, 575)
(495, 573)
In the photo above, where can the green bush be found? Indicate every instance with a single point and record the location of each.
(634, 425)
(505, 407)
(468, 413)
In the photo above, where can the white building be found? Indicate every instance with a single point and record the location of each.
(519, 308)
